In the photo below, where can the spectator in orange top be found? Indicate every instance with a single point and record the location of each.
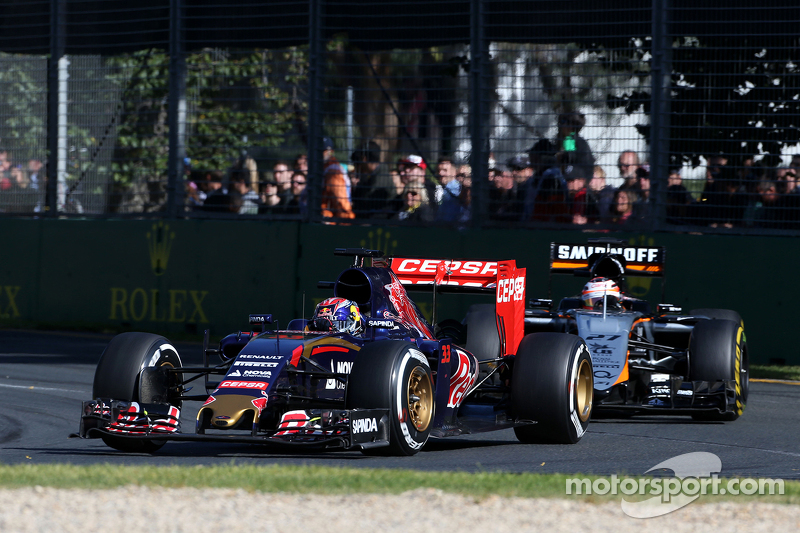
(335, 203)
(329, 160)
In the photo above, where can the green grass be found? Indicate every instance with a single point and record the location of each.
(322, 480)
(775, 372)
(275, 478)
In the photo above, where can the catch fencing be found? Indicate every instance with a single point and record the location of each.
(622, 116)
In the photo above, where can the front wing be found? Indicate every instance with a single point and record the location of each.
(328, 428)
(680, 397)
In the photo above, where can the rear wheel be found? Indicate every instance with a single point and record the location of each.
(552, 385)
(128, 370)
(718, 351)
(397, 376)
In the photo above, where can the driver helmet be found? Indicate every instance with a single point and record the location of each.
(597, 289)
(337, 314)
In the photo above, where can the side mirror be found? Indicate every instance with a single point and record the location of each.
(669, 308)
(540, 303)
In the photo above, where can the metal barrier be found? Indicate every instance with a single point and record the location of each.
(644, 116)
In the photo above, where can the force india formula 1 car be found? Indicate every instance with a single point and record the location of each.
(644, 362)
(386, 389)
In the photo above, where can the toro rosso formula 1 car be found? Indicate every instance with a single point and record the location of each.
(643, 362)
(366, 372)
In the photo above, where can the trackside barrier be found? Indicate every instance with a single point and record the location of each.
(187, 275)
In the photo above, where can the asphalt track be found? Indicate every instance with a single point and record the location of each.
(44, 377)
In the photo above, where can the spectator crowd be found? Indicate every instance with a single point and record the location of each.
(556, 182)
(21, 185)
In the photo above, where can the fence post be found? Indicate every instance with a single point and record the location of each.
(660, 79)
(176, 109)
(316, 61)
(58, 38)
(479, 159)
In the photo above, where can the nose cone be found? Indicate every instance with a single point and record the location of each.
(230, 411)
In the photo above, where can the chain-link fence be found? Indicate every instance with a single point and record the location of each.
(637, 115)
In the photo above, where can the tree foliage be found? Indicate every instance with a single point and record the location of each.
(23, 106)
(235, 102)
(727, 97)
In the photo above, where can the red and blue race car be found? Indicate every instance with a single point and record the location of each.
(367, 371)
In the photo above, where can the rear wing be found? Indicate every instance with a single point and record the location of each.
(582, 258)
(501, 278)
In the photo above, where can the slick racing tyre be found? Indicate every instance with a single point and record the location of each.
(718, 351)
(129, 370)
(397, 376)
(552, 385)
(483, 339)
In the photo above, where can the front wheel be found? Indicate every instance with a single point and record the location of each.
(128, 370)
(552, 385)
(718, 351)
(397, 376)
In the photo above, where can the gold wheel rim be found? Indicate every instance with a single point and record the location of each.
(584, 389)
(420, 399)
